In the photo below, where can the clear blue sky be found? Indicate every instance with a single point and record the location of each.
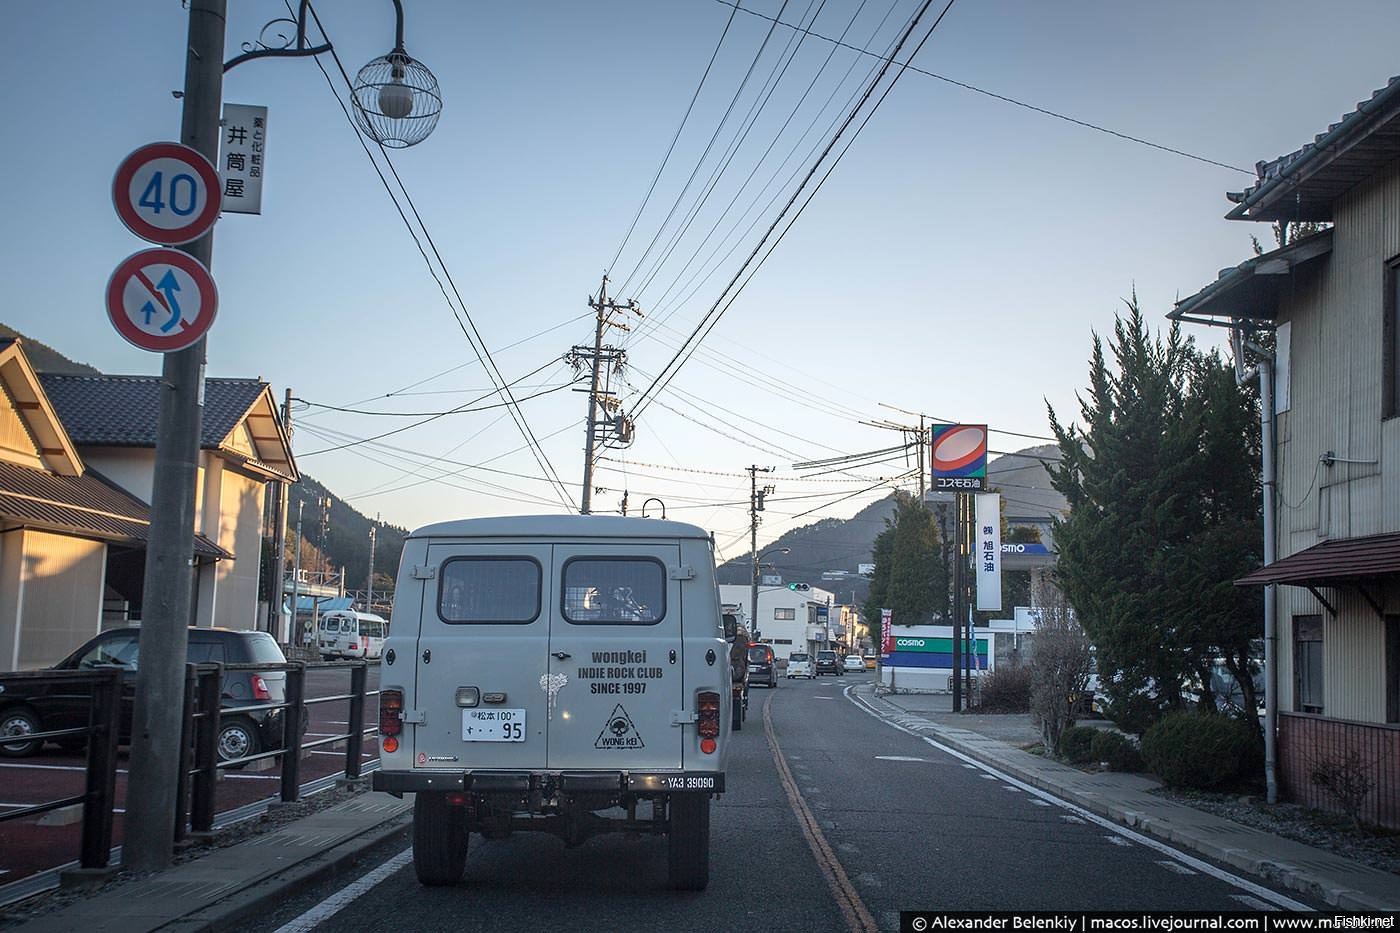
(956, 262)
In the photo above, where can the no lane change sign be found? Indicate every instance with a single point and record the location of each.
(166, 193)
(162, 300)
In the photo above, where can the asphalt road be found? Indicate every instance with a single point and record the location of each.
(910, 826)
(26, 847)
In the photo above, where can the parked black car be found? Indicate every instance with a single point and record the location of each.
(45, 708)
(763, 668)
(828, 663)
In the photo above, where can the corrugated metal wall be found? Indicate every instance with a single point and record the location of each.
(1336, 368)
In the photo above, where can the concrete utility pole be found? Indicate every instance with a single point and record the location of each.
(279, 561)
(755, 506)
(369, 584)
(294, 626)
(603, 360)
(165, 607)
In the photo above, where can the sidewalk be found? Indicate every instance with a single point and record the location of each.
(1125, 798)
(217, 889)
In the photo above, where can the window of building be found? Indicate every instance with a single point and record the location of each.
(1307, 664)
(614, 591)
(1392, 668)
(1392, 338)
(784, 615)
(486, 590)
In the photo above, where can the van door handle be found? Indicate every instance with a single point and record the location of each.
(562, 655)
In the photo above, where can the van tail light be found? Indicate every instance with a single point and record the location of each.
(260, 691)
(707, 720)
(354, 646)
(390, 712)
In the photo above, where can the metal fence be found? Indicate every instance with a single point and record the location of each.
(1308, 743)
(200, 763)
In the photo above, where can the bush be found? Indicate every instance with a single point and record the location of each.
(1115, 750)
(1201, 750)
(1007, 691)
(1075, 744)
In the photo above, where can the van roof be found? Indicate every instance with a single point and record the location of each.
(560, 526)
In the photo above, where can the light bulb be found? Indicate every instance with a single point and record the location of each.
(396, 99)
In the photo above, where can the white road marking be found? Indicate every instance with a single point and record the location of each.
(1271, 897)
(1173, 866)
(823, 698)
(253, 777)
(988, 777)
(1118, 840)
(1252, 903)
(972, 767)
(346, 895)
(1069, 818)
(1039, 803)
(897, 758)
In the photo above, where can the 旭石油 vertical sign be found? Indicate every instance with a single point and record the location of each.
(987, 554)
(242, 157)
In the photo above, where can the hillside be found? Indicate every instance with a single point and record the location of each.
(45, 358)
(837, 544)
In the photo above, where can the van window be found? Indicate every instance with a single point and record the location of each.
(371, 628)
(486, 590)
(614, 591)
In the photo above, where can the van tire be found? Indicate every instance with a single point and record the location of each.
(689, 842)
(439, 839)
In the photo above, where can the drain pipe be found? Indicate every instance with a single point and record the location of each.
(1264, 369)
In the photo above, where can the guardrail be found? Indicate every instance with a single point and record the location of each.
(100, 734)
(202, 764)
(204, 710)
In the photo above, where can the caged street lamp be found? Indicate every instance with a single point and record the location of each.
(396, 98)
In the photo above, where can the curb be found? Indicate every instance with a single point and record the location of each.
(1290, 876)
(229, 912)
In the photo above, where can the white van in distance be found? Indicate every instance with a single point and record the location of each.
(343, 633)
(545, 669)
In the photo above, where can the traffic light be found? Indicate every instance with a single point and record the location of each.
(799, 587)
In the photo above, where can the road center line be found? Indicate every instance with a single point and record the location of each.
(1244, 884)
(858, 917)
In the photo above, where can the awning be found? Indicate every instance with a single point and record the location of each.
(1252, 289)
(1351, 563)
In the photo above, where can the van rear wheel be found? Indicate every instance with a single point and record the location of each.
(689, 842)
(439, 839)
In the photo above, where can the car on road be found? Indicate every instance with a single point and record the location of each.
(870, 662)
(799, 665)
(763, 666)
(827, 663)
(853, 664)
(45, 708)
(556, 673)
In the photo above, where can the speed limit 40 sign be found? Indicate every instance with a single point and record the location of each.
(167, 193)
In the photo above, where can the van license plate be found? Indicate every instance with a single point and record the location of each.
(493, 725)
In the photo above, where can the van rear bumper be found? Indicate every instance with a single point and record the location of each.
(487, 782)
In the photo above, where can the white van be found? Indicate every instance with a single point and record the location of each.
(546, 669)
(343, 633)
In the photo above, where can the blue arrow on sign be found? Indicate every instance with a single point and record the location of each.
(169, 286)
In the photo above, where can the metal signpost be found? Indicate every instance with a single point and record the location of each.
(959, 462)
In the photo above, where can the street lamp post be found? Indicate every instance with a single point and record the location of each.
(399, 110)
(753, 589)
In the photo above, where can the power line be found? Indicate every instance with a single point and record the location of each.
(671, 148)
(712, 317)
(474, 338)
(1002, 97)
(435, 414)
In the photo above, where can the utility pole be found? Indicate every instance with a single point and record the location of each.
(756, 498)
(369, 584)
(294, 626)
(602, 360)
(922, 443)
(168, 579)
(279, 561)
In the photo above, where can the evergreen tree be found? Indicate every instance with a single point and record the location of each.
(1164, 516)
(910, 576)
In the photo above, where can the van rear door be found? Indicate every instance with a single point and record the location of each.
(615, 661)
(482, 654)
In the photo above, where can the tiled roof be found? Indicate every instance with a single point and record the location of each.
(1346, 153)
(121, 411)
(1333, 563)
(85, 505)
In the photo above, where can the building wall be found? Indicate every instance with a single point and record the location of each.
(131, 468)
(1335, 310)
(239, 532)
(11, 597)
(785, 636)
(61, 604)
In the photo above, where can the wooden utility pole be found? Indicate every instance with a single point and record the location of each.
(602, 360)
